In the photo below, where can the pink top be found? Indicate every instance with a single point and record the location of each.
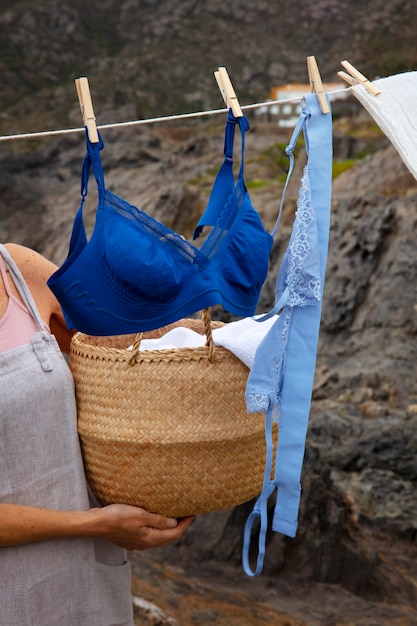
(17, 326)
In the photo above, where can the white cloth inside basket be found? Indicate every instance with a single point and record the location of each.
(241, 337)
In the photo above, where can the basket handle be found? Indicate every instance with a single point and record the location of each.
(206, 317)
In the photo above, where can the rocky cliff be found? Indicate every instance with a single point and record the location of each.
(159, 57)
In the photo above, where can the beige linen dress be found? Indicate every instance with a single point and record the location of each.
(68, 582)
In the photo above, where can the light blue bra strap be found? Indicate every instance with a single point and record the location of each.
(289, 152)
(276, 308)
(260, 509)
(303, 336)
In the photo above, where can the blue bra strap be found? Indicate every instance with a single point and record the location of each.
(244, 127)
(294, 393)
(229, 136)
(224, 183)
(92, 158)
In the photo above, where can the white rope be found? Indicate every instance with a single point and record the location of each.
(154, 120)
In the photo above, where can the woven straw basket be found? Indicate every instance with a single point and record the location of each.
(166, 429)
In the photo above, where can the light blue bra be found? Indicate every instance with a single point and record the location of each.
(281, 379)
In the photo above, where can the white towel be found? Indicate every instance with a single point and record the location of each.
(176, 338)
(241, 337)
(394, 110)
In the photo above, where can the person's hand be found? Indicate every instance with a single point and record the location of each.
(134, 528)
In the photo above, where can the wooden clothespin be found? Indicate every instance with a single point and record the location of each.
(227, 91)
(316, 84)
(86, 106)
(355, 77)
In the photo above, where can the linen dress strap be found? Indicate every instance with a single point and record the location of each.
(17, 324)
(21, 287)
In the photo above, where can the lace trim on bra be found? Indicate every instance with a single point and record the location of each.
(190, 252)
(304, 288)
(261, 403)
(153, 226)
(303, 268)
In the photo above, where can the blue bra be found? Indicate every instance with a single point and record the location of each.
(134, 274)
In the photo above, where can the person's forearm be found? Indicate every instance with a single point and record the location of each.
(127, 526)
(24, 524)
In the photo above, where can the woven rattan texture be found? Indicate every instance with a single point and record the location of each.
(170, 432)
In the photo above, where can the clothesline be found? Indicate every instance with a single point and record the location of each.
(154, 120)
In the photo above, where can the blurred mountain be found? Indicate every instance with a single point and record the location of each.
(159, 57)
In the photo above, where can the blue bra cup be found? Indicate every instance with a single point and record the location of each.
(134, 274)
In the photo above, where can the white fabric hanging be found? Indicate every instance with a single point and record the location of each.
(394, 112)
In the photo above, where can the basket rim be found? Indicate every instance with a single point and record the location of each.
(81, 346)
